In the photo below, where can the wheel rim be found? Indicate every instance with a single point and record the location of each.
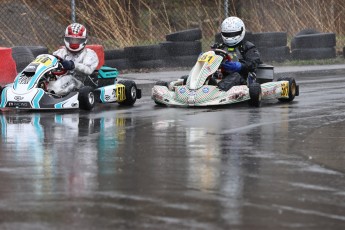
(133, 92)
(91, 98)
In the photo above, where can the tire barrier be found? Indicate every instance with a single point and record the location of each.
(7, 66)
(303, 32)
(278, 54)
(310, 44)
(144, 57)
(272, 46)
(182, 48)
(116, 58)
(22, 55)
(185, 35)
(270, 39)
(185, 48)
(181, 61)
(314, 53)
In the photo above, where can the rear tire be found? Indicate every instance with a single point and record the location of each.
(86, 98)
(255, 94)
(292, 89)
(130, 91)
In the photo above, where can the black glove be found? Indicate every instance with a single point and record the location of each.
(217, 46)
(67, 64)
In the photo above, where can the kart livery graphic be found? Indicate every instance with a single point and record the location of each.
(199, 88)
(30, 89)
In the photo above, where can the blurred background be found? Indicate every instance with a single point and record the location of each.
(120, 23)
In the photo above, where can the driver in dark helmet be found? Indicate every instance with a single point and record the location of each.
(244, 55)
(75, 58)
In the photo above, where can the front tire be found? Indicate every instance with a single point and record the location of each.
(255, 94)
(86, 98)
(130, 91)
(292, 89)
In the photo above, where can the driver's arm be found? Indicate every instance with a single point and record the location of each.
(88, 64)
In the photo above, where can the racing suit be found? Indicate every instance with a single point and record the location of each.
(247, 57)
(85, 63)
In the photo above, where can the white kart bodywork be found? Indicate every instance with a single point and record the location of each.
(197, 93)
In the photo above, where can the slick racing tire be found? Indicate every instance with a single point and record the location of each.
(130, 91)
(255, 94)
(86, 98)
(293, 89)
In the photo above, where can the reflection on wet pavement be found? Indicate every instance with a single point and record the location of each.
(280, 166)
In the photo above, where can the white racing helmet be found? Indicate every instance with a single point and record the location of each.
(75, 37)
(232, 31)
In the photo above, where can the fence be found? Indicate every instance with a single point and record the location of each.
(122, 23)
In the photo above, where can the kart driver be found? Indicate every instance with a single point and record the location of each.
(244, 55)
(75, 58)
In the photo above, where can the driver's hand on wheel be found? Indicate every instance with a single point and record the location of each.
(67, 64)
(232, 66)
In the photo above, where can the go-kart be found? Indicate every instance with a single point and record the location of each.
(200, 88)
(30, 88)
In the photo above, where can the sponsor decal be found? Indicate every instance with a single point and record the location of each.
(182, 90)
(17, 104)
(205, 90)
(18, 98)
(24, 80)
(107, 97)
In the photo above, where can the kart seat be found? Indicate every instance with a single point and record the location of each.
(100, 53)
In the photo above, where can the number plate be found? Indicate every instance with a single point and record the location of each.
(285, 89)
(206, 57)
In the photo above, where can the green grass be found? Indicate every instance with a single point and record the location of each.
(333, 61)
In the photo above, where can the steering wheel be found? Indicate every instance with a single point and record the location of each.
(60, 70)
(222, 53)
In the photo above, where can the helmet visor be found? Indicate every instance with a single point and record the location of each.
(75, 40)
(232, 34)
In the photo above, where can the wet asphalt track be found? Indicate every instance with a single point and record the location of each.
(280, 166)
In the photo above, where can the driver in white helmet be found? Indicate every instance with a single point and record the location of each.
(75, 58)
(244, 55)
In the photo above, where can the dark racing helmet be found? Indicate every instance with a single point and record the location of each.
(75, 37)
(232, 31)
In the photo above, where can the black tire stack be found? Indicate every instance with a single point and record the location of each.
(24, 55)
(182, 48)
(144, 57)
(310, 44)
(272, 46)
(116, 58)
